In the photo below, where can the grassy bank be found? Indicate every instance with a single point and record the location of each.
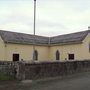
(4, 77)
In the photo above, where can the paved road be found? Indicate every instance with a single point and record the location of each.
(76, 82)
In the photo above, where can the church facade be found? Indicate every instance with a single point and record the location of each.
(19, 46)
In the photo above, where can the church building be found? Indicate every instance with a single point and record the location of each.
(19, 46)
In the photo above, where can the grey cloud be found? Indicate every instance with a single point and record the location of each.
(50, 24)
(53, 16)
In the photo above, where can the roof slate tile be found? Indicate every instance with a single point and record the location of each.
(14, 37)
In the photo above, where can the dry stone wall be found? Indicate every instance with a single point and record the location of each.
(38, 70)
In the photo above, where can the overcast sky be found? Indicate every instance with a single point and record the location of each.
(54, 17)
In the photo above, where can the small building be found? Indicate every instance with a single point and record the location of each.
(19, 46)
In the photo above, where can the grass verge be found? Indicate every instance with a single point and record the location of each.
(4, 77)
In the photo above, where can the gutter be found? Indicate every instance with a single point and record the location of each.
(68, 43)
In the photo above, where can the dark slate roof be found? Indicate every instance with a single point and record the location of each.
(14, 37)
(69, 38)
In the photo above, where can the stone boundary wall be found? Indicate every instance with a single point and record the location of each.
(39, 70)
(8, 68)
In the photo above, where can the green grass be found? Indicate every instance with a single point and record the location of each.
(4, 77)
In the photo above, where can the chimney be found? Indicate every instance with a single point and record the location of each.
(88, 27)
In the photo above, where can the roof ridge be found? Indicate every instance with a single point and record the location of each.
(23, 33)
(72, 33)
(45, 36)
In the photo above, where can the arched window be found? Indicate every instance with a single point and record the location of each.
(57, 55)
(35, 55)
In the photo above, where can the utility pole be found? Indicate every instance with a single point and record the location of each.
(34, 28)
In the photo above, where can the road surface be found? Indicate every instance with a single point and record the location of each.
(76, 82)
